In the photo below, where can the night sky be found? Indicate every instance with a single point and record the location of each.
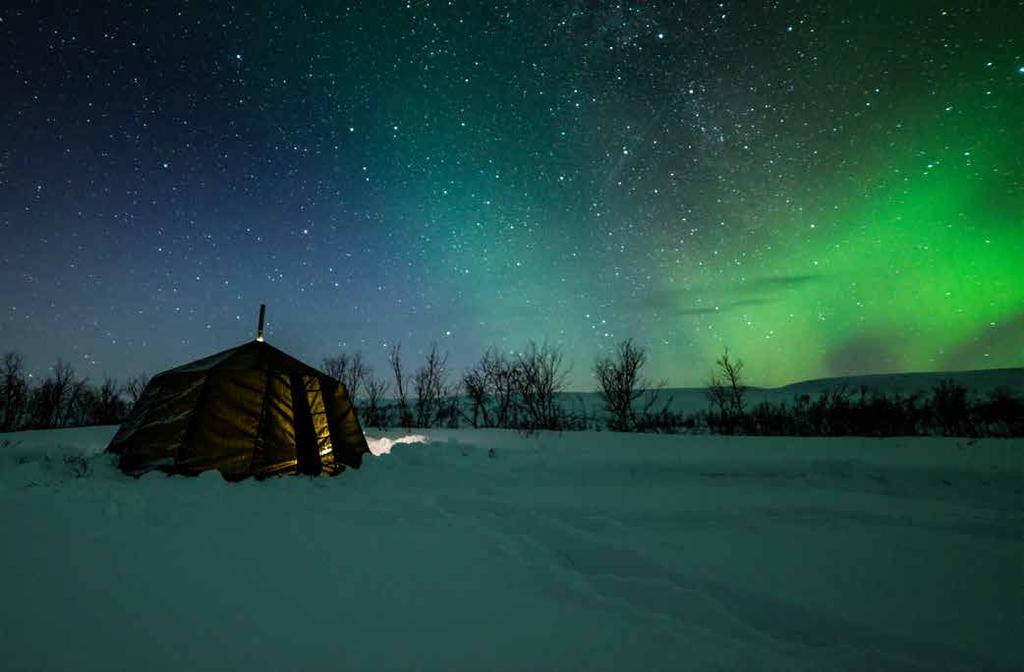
(826, 188)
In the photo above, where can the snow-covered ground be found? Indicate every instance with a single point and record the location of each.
(487, 550)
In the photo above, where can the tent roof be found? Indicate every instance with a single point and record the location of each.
(250, 356)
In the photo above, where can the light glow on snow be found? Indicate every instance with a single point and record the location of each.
(382, 446)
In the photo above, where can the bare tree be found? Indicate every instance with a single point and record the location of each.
(492, 388)
(451, 407)
(58, 398)
(107, 405)
(726, 390)
(62, 393)
(474, 382)
(42, 405)
(349, 369)
(501, 378)
(134, 387)
(401, 386)
(76, 401)
(13, 392)
(373, 411)
(622, 385)
(951, 407)
(430, 388)
(539, 376)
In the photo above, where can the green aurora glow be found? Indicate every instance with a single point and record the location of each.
(920, 268)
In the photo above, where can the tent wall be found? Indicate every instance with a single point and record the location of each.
(156, 429)
(346, 434)
(224, 428)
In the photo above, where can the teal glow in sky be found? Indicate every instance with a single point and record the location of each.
(825, 189)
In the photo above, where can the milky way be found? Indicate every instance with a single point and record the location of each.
(823, 188)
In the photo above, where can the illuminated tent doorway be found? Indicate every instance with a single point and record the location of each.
(249, 411)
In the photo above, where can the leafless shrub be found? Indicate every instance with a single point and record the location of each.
(107, 407)
(725, 392)
(57, 402)
(14, 392)
(134, 387)
(349, 368)
(951, 407)
(375, 390)
(401, 387)
(622, 385)
(501, 379)
(490, 389)
(1001, 413)
(538, 377)
(451, 407)
(77, 400)
(474, 383)
(429, 385)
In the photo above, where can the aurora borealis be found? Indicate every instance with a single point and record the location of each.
(823, 188)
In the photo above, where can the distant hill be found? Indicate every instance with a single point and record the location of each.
(979, 381)
(690, 399)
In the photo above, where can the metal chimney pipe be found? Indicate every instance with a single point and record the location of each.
(259, 329)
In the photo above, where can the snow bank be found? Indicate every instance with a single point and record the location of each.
(489, 550)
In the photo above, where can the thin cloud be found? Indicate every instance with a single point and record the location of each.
(726, 307)
(767, 283)
(757, 291)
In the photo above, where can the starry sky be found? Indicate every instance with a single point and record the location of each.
(825, 188)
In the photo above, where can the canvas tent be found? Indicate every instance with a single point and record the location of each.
(249, 411)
